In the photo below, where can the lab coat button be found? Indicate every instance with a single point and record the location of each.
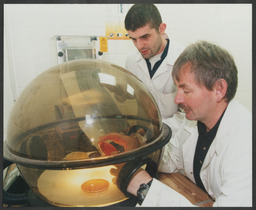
(191, 172)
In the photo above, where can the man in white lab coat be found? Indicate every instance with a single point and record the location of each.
(155, 55)
(213, 145)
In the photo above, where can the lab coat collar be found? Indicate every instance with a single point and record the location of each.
(170, 58)
(217, 144)
(189, 146)
(224, 127)
(169, 61)
(142, 64)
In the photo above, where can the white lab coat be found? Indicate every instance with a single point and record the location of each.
(161, 85)
(227, 169)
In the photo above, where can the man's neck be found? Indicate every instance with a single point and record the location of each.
(163, 45)
(213, 117)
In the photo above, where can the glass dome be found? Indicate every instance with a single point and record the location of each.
(61, 115)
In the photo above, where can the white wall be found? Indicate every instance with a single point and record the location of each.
(229, 25)
(29, 31)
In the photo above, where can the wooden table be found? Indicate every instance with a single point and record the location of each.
(188, 189)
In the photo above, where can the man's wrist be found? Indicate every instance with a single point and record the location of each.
(143, 190)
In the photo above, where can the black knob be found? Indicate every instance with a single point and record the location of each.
(60, 54)
(100, 53)
(93, 38)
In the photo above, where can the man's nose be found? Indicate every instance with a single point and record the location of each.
(179, 98)
(139, 44)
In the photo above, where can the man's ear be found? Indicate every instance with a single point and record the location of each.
(162, 28)
(220, 88)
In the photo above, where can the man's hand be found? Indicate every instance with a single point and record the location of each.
(115, 171)
(140, 177)
(127, 142)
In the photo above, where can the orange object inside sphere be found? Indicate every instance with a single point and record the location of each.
(95, 185)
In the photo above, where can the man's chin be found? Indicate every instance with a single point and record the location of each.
(189, 116)
(146, 56)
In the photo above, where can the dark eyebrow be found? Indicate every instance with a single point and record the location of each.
(184, 86)
(143, 36)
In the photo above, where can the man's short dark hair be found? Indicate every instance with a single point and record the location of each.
(141, 14)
